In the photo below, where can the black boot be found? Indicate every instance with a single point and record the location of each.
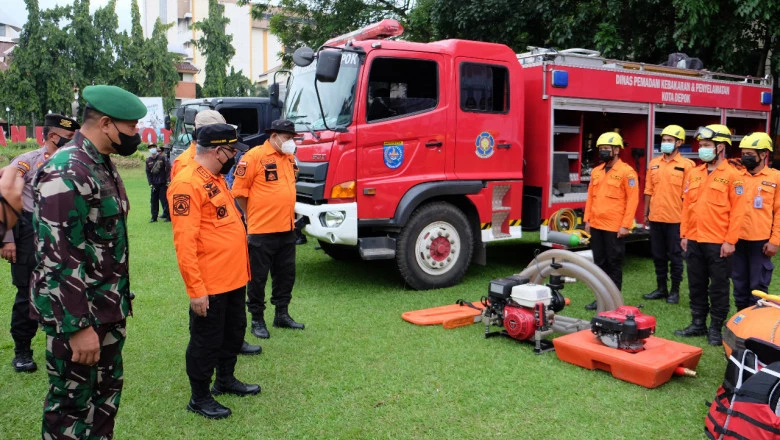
(248, 349)
(674, 294)
(697, 328)
(660, 292)
(23, 362)
(203, 403)
(259, 329)
(283, 319)
(714, 336)
(591, 306)
(231, 385)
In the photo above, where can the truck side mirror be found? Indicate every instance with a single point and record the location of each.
(273, 93)
(167, 122)
(328, 64)
(303, 56)
(189, 115)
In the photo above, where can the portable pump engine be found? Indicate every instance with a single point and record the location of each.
(525, 310)
(625, 328)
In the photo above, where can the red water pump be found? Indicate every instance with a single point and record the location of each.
(625, 328)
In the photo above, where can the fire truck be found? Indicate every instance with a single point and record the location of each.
(425, 152)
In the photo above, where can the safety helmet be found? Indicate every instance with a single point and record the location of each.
(674, 131)
(715, 132)
(756, 141)
(610, 138)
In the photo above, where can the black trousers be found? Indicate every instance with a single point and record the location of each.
(216, 339)
(159, 198)
(608, 253)
(274, 253)
(23, 328)
(708, 281)
(666, 250)
(751, 270)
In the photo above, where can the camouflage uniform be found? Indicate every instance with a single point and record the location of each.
(81, 280)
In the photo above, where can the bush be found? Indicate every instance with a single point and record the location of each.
(14, 149)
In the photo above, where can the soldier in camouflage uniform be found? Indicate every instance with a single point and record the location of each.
(18, 248)
(80, 288)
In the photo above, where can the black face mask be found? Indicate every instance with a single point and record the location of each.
(605, 155)
(750, 162)
(127, 144)
(226, 167)
(62, 142)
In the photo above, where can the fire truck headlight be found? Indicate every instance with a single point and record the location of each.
(332, 219)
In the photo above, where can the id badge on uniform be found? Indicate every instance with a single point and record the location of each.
(758, 202)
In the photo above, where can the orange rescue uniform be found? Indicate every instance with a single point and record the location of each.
(713, 209)
(612, 197)
(665, 185)
(184, 160)
(208, 233)
(762, 206)
(267, 179)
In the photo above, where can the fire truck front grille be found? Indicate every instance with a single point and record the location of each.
(310, 186)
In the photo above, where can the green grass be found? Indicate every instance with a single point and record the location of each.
(359, 371)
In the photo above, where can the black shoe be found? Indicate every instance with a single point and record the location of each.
(24, 363)
(259, 329)
(209, 408)
(301, 240)
(659, 293)
(234, 386)
(284, 320)
(673, 298)
(591, 306)
(249, 349)
(154, 220)
(697, 328)
(166, 220)
(714, 336)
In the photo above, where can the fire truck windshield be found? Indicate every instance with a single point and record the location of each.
(338, 98)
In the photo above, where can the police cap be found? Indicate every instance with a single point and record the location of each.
(281, 126)
(114, 102)
(60, 121)
(216, 135)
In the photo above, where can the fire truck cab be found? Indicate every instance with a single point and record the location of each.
(426, 152)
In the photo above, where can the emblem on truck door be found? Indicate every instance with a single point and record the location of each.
(485, 145)
(394, 154)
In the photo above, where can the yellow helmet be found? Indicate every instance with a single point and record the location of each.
(715, 132)
(610, 138)
(757, 141)
(674, 131)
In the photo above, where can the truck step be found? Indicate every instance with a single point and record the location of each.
(377, 254)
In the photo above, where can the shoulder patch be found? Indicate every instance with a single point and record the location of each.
(240, 169)
(23, 165)
(739, 190)
(181, 204)
(203, 173)
(632, 182)
(222, 212)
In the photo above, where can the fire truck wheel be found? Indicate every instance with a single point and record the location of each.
(340, 252)
(434, 248)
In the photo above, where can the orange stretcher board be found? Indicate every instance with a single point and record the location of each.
(450, 316)
(649, 368)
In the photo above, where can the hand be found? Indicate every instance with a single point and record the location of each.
(770, 250)
(8, 252)
(587, 227)
(684, 244)
(11, 186)
(85, 346)
(726, 250)
(622, 232)
(200, 305)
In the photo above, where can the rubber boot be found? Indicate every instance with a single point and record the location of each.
(674, 294)
(660, 292)
(283, 319)
(697, 328)
(714, 336)
(203, 403)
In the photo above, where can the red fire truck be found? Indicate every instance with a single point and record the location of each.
(424, 153)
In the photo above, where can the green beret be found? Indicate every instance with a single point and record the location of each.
(115, 102)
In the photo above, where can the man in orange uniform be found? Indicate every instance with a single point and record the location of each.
(760, 237)
(264, 187)
(663, 210)
(712, 218)
(203, 118)
(211, 248)
(613, 196)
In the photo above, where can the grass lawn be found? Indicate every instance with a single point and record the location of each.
(358, 371)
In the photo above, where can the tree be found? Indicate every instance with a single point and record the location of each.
(217, 47)
(160, 66)
(131, 54)
(236, 84)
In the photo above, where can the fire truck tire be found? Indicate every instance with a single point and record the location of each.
(340, 252)
(434, 248)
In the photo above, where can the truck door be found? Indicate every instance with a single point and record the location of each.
(487, 134)
(402, 128)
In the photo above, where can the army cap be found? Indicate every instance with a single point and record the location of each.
(60, 121)
(114, 102)
(216, 135)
